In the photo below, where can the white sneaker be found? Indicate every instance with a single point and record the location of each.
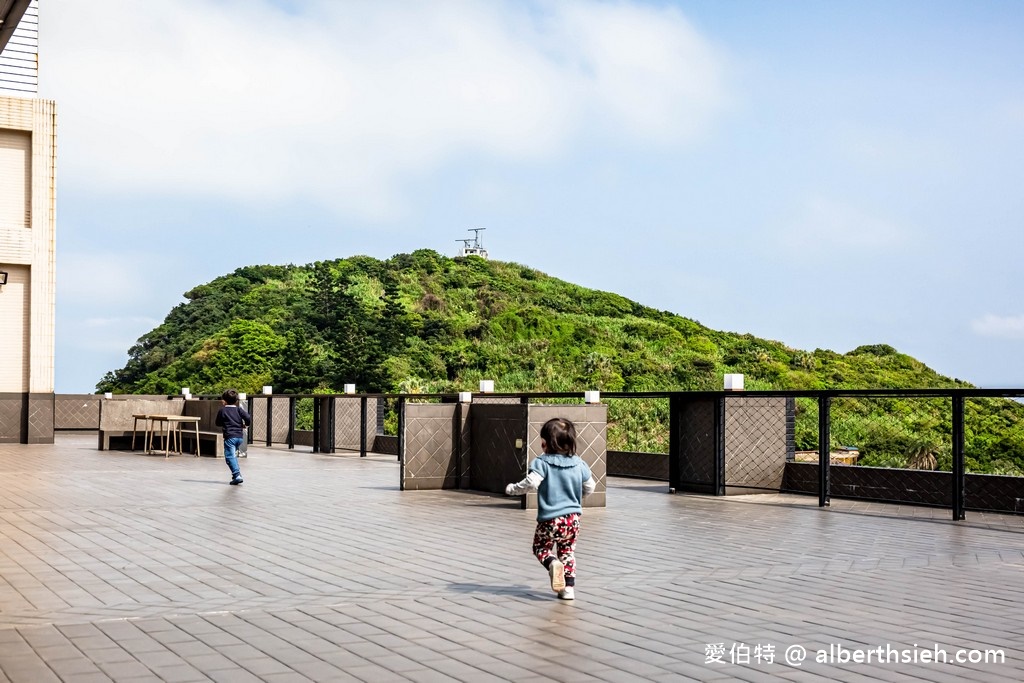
(566, 594)
(557, 573)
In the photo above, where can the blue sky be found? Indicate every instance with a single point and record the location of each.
(824, 174)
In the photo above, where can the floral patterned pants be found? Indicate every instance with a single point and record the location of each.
(557, 538)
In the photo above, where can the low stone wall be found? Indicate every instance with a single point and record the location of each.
(638, 465)
(303, 437)
(385, 445)
(432, 452)
(26, 417)
(76, 411)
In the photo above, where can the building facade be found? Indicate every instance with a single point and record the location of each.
(28, 152)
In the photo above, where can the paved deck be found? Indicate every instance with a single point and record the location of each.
(125, 567)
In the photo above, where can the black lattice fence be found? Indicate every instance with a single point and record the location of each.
(891, 448)
(638, 425)
(638, 437)
(258, 411)
(758, 441)
(282, 421)
(387, 416)
(994, 454)
(272, 420)
(802, 474)
(347, 425)
(956, 448)
(385, 440)
(697, 426)
(961, 448)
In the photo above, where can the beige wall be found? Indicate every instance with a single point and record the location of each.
(14, 321)
(27, 241)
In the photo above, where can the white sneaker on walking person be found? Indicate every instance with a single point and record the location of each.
(557, 572)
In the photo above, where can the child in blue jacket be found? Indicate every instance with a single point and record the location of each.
(561, 480)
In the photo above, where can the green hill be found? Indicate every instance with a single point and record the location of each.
(425, 323)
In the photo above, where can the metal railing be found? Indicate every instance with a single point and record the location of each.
(926, 469)
(958, 448)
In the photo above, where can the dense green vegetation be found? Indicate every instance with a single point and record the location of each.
(425, 323)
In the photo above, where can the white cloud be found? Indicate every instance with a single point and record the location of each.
(339, 103)
(1005, 327)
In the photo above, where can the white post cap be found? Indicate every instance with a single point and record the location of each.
(734, 382)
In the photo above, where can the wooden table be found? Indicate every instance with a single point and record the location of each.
(135, 428)
(175, 423)
(170, 430)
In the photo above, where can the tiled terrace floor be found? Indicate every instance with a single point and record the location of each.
(125, 567)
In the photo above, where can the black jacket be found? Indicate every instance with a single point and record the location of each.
(234, 420)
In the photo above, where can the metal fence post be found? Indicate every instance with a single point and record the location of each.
(674, 443)
(317, 425)
(457, 444)
(249, 404)
(291, 422)
(959, 467)
(824, 449)
(719, 426)
(270, 420)
(362, 426)
(332, 425)
(401, 430)
(401, 442)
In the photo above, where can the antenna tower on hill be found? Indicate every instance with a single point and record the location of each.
(473, 246)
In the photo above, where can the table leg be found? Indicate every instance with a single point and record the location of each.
(196, 424)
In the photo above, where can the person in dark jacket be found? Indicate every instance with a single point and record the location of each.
(233, 419)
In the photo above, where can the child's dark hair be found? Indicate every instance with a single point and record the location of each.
(230, 397)
(560, 435)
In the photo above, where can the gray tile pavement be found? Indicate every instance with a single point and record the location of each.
(125, 567)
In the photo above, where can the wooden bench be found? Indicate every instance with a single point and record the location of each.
(118, 424)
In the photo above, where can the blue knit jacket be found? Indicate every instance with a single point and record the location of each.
(561, 482)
